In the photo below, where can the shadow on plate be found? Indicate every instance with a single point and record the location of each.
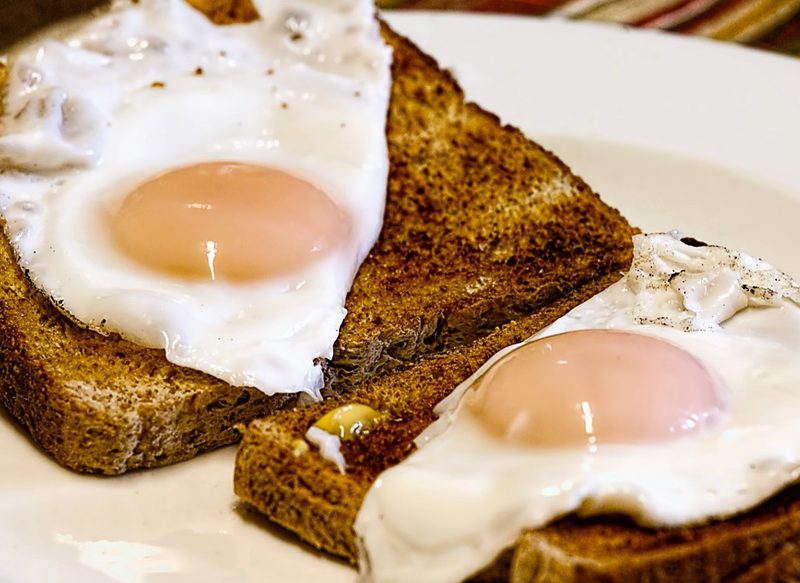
(253, 517)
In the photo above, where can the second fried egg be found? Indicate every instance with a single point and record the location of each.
(671, 397)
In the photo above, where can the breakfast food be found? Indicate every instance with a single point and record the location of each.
(481, 226)
(635, 402)
(569, 422)
(206, 190)
(281, 475)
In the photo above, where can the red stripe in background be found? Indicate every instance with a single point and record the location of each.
(678, 15)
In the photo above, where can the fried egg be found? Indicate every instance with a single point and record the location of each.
(209, 190)
(671, 397)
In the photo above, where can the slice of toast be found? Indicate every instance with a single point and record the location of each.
(294, 486)
(481, 226)
(280, 475)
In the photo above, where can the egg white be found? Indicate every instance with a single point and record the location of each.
(96, 108)
(464, 496)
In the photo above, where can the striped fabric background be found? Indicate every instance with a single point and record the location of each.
(769, 24)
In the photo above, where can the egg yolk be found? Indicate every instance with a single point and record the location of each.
(595, 386)
(225, 220)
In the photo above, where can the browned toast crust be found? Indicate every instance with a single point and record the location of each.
(560, 244)
(759, 545)
(473, 213)
(301, 491)
(102, 404)
(277, 473)
(296, 488)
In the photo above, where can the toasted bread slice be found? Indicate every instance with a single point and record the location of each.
(291, 483)
(760, 545)
(99, 403)
(481, 226)
(297, 488)
(543, 235)
(102, 404)
(278, 474)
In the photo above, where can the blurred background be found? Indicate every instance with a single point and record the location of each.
(769, 24)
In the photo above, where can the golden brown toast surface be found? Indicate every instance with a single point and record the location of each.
(560, 243)
(278, 473)
(296, 488)
(473, 213)
(300, 490)
(102, 404)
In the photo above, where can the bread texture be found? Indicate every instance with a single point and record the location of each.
(482, 226)
(99, 403)
(295, 487)
(103, 404)
(280, 475)
(475, 213)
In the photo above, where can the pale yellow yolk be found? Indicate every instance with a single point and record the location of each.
(595, 386)
(224, 220)
(349, 421)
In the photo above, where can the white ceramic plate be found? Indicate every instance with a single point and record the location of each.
(678, 133)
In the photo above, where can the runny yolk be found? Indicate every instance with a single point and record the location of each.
(595, 386)
(226, 220)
